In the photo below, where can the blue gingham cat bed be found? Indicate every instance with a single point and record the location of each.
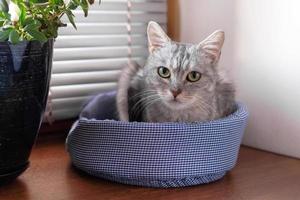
(153, 154)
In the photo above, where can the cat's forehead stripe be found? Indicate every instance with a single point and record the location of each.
(180, 57)
(186, 60)
(174, 58)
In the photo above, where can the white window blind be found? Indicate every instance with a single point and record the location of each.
(87, 61)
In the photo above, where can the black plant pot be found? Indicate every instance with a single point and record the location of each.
(25, 71)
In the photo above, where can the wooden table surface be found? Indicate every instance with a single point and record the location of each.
(258, 175)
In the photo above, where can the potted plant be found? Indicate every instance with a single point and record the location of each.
(27, 32)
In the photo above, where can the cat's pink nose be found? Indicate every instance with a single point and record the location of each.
(175, 93)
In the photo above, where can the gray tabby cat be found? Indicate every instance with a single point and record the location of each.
(179, 82)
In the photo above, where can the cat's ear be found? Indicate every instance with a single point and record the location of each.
(157, 38)
(212, 46)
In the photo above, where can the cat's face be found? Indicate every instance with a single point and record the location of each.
(181, 74)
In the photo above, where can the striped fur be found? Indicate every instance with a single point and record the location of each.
(150, 98)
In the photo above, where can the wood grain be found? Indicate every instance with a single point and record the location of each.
(60, 126)
(174, 20)
(258, 175)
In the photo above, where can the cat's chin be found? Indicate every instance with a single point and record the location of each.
(176, 104)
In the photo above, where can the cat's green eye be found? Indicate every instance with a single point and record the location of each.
(193, 76)
(164, 72)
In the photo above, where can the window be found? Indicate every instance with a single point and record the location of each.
(88, 61)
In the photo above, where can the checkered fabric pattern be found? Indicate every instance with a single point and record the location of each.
(156, 154)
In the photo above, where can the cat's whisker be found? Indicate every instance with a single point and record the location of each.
(148, 102)
(143, 93)
(143, 99)
(200, 106)
(204, 107)
(140, 109)
(208, 107)
(139, 105)
(136, 107)
(148, 89)
(199, 103)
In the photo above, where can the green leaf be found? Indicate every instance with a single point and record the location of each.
(73, 4)
(71, 18)
(39, 19)
(39, 1)
(30, 27)
(2, 19)
(85, 7)
(52, 30)
(36, 35)
(35, 25)
(60, 2)
(22, 15)
(14, 37)
(3, 6)
(28, 20)
(4, 16)
(4, 35)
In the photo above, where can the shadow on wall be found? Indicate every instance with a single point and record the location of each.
(191, 21)
(267, 72)
(261, 52)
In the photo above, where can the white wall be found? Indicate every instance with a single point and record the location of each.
(262, 49)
